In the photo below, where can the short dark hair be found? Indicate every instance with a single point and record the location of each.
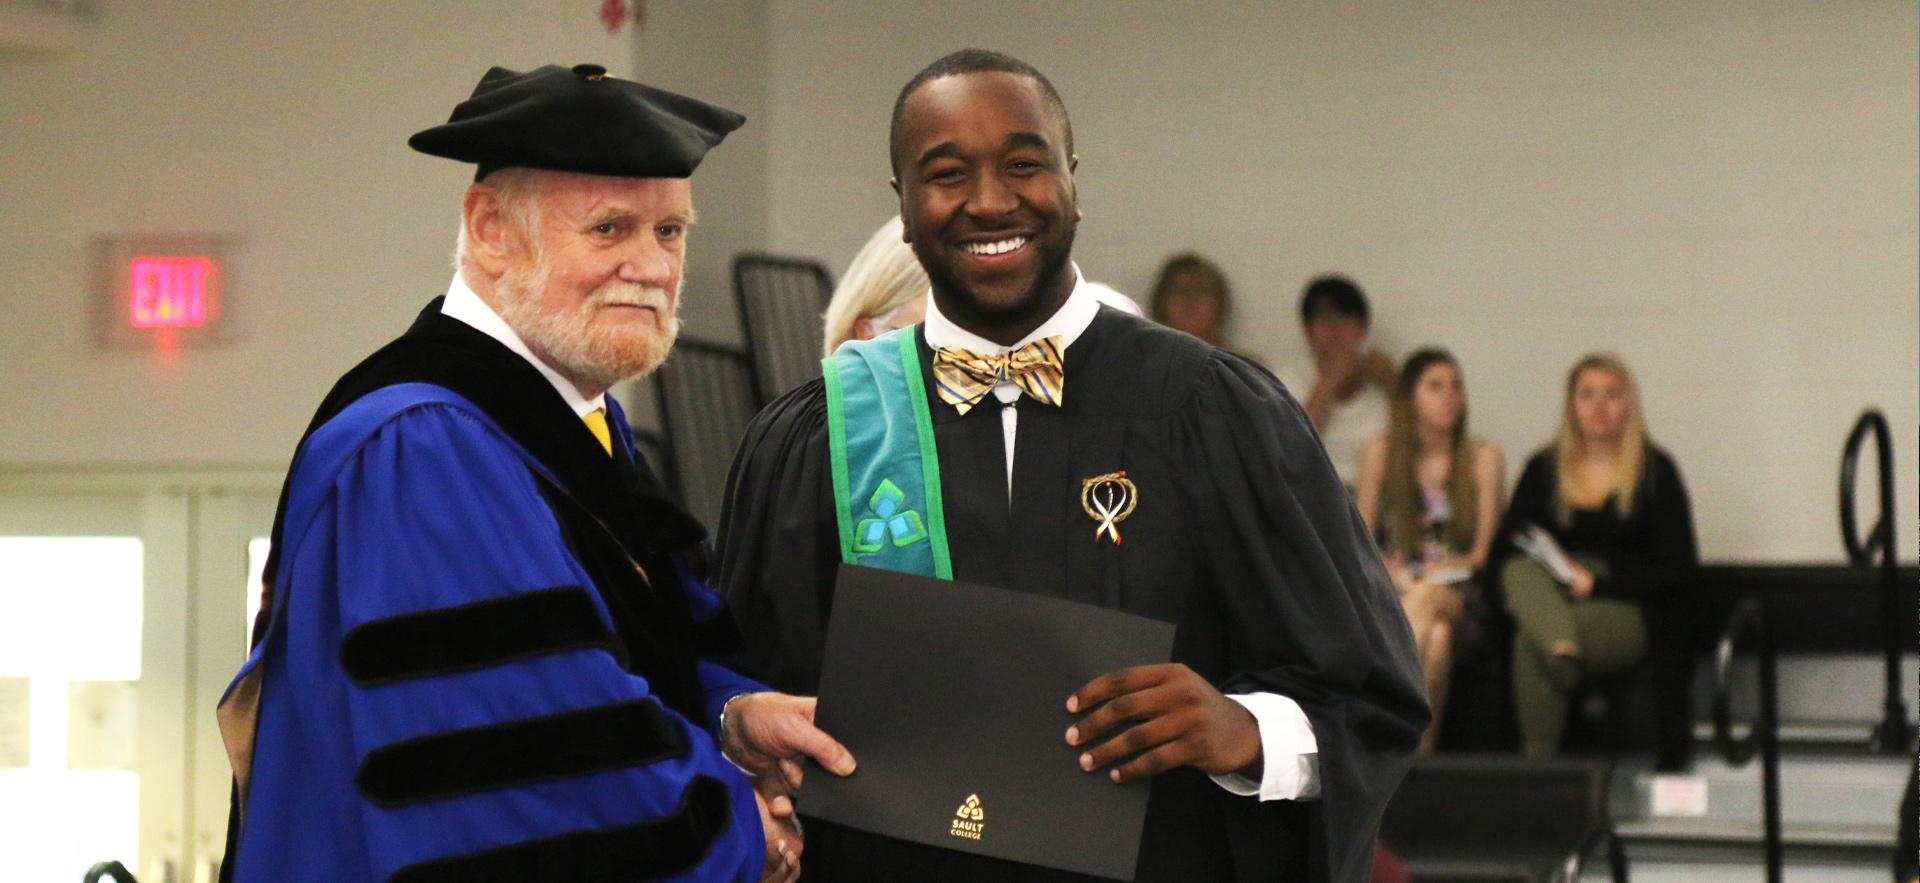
(1334, 295)
(974, 61)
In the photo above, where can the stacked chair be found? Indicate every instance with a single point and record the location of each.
(707, 392)
(706, 398)
(781, 300)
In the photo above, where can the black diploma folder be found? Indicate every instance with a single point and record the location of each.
(952, 698)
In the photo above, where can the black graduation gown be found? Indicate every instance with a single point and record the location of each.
(1243, 536)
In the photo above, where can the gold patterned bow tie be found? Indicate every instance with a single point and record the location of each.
(964, 376)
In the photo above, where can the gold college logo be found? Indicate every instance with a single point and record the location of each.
(969, 821)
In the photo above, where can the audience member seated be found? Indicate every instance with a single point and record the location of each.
(1430, 494)
(884, 288)
(1344, 387)
(1614, 503)
(1190, 294)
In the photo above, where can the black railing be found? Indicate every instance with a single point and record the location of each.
(1750, 618)
(1893, 734)
(1574, 868)
(114, 871)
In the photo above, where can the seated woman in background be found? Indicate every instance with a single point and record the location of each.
(1430, 494)
(1190, 294)
(884, 288)
(1613, 502)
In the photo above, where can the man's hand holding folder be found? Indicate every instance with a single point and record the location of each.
(952, 693)
(1166, 716)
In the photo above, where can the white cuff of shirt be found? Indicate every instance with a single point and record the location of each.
(1290, 752)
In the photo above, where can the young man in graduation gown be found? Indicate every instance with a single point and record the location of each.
(1293, 704)
(484, 649)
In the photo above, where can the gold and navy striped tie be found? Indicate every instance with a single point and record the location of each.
(963, 376)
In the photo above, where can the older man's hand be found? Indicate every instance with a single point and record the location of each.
(782, 863)
(770, 734)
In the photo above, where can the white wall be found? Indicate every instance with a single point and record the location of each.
(718, 51)
(284, 124)
(1723, 193)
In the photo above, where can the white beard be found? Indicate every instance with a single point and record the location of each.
(567, 340)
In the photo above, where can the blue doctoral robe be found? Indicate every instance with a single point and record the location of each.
(453, 681)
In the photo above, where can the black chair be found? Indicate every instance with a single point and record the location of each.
(1490, 819)
(706, 398)
(781, 300)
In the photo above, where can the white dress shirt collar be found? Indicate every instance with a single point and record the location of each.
(1068, 322)
(463, 304)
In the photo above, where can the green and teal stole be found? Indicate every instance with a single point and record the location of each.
(886, 472)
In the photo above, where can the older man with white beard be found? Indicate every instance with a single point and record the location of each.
(485, 645)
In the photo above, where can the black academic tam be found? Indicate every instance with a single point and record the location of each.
(578, 119)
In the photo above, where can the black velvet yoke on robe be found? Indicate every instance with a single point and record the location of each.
(1243, 536)
(621, 525)
(613, 511)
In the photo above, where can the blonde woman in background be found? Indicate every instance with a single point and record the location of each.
(1430, 494)
(883, 289)
(1613, 501)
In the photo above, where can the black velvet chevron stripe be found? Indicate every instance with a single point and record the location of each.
(476, 635)
(519, 752)
(646, 851)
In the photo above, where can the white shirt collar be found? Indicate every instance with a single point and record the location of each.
(463, 304)
(1067, 323)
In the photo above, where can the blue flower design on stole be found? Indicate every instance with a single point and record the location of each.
(892, 521)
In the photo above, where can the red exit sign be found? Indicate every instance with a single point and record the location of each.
(170, 291)
(164, 292)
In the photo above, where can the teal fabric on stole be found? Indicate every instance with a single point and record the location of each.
(886, 472)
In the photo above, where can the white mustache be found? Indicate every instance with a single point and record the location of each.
(627, 294)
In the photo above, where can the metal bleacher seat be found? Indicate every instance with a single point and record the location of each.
(1821, 695)
(781, 300)
(706, 398)
(1493, 819)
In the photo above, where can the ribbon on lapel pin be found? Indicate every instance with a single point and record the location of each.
(1108, 499)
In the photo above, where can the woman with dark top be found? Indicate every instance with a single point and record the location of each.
(1430, 494)
(1614, 503)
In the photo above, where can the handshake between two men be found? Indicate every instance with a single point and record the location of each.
(1133, 724)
